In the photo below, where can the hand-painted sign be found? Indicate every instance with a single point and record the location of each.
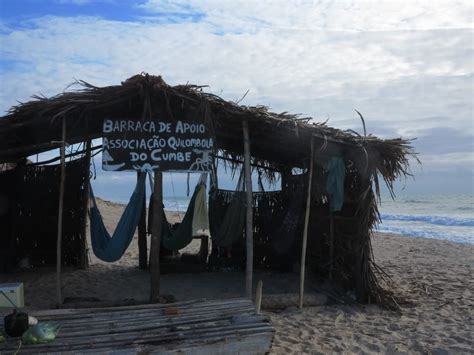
(152, 145)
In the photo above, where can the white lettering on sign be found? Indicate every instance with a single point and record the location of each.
(147, 145)
(135, 126)
(185, 127)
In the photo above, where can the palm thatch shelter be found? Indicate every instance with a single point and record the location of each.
(339, 243)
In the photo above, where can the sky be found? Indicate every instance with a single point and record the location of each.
(407, 66)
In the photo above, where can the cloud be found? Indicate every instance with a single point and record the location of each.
(168, 6)
(375, 15)
(408, 68)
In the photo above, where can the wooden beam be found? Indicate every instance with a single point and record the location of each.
(306, 223)
(249, 214)
(52, 160)
(62, 182)
(10, 154)
(241, 162)
(20, 152)
(142, 248)
(156, 238)
(331, 244)
(285, 179)
(84, 259)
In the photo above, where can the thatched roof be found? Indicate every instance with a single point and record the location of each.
(277, 139)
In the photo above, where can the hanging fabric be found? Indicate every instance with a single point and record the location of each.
(195, 221)
(228, 229)
(200, 226)
(213, 181)
(335, 182)
(260, 183)
(111, 248)
(284, 238)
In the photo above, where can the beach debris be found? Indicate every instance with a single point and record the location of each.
(339, 318)
(16, 323)
(41, 333)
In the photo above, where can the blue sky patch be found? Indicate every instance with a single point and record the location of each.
(18, 14)
(7, 65)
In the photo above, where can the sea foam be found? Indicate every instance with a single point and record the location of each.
(431, 219)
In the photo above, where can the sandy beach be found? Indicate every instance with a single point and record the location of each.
(433, 277)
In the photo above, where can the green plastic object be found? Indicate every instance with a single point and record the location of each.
(41, 333)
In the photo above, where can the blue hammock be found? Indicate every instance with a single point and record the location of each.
(111, 248)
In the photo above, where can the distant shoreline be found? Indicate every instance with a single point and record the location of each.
(375, 231)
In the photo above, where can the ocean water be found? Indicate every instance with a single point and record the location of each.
(438, 216)
(176, 204)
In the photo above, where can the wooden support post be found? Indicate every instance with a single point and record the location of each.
(285, 177)
(331, 244)
(306, 223)
(249, 215)
(84, 258)
(156, 238)
(142, 247)
(258, 298)
(59, 298)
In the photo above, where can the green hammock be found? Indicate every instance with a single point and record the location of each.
(194, 220)
(227, 229)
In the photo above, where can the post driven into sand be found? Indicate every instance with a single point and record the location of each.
(59, 298)
(88, 154)
(249, 221)
(142, 247)
(156, 238)
(306, 222)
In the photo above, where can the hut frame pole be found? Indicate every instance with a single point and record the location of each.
(249, 212)
(88, 152)
(142, 247)
(331, 244)
(306, 223)
(258, 298)
(59, 298)
(156, 238)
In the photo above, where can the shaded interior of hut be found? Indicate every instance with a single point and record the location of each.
(29, 223)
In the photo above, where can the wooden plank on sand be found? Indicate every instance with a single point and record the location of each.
(192, 327)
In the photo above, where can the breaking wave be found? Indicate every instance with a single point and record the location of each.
(438, 220)
(464, 237)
